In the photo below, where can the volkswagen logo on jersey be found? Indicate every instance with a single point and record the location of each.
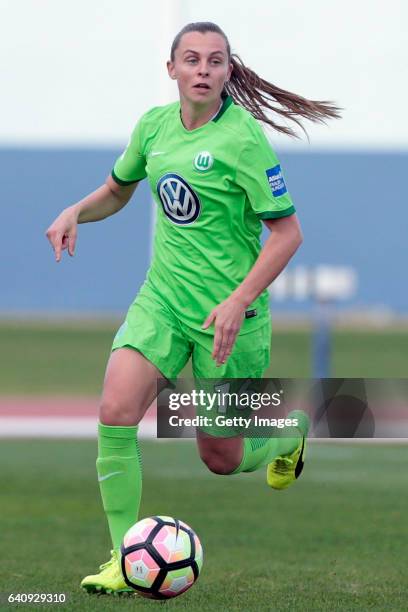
(180, 203)
(203, 161)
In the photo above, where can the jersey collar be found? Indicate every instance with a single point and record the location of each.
(226, 103)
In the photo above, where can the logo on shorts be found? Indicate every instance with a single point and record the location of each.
(180, 202)
(203, 161)
(276, 181)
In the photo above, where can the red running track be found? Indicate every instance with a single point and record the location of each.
(55, 417)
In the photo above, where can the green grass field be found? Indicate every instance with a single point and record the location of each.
(70, 358)
(334, 541)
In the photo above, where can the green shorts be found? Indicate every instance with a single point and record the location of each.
(153, 329)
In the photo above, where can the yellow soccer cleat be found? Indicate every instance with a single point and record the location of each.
(286, 469)
(109, 580)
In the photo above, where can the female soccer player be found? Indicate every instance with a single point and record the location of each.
(215, 178)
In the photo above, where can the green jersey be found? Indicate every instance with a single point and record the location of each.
(212, 186)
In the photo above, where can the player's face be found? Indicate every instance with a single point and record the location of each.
(201, 67)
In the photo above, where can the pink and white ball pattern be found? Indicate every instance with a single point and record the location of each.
(171, 543)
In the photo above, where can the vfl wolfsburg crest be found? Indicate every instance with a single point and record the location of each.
(203, 161)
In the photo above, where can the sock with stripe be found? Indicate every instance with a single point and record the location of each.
(120, 477)
(258, 452)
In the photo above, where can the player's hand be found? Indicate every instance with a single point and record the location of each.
(228, 317)
(62, 234)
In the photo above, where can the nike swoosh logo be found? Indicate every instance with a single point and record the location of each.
(100, 478)
(156, 153)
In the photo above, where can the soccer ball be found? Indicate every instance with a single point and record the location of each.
(161, 557)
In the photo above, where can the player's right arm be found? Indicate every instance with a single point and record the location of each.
(101, 203)
(107, 200)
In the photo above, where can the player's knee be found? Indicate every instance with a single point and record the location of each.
(219, 463)
(114, 412)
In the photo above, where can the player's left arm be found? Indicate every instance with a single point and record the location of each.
(279, 248)
(282, 243)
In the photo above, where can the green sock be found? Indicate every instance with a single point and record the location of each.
(258, 452)
(120, 477)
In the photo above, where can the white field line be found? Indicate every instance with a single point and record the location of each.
(61, 427)
(86, 427)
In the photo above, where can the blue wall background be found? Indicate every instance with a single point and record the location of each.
(351, 205)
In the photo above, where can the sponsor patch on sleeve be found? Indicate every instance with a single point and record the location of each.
(276, 181)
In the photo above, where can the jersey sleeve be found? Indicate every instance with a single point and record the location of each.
(260, 175)
(130, 166)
